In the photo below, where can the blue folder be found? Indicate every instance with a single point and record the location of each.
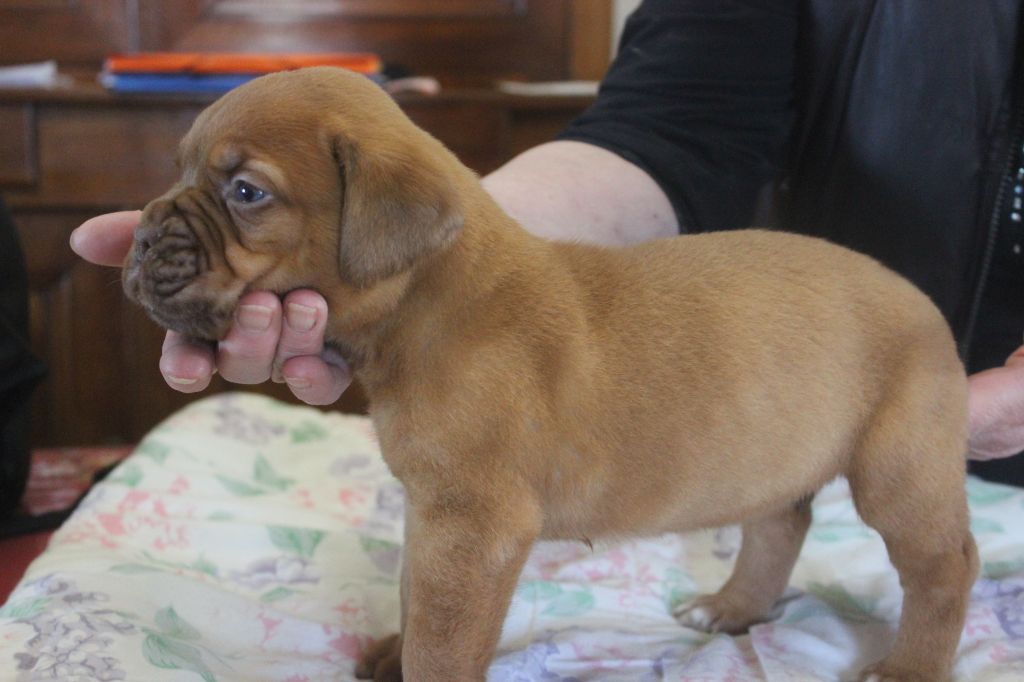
(168, 83)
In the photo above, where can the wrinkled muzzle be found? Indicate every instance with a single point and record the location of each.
(176, 271)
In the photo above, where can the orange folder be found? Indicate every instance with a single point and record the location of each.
(220, 63)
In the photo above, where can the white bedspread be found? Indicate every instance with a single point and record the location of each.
(249, 540)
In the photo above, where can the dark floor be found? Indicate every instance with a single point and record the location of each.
(59, 476)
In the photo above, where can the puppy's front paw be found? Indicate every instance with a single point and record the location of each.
(716, 613)
(383, 661)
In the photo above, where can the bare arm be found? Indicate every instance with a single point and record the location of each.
(568, 190)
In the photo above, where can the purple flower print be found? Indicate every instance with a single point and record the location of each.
(1006, 598)
(279, 570)
(247, 426)
(343, 467)
(70, 643)
(529, 665)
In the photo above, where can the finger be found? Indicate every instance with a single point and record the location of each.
(105, 239)
(246, 354)
(315, 381)
(186, 364)
(305, 316)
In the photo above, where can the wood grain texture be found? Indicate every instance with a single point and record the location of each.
(74, 32)
(17, 144)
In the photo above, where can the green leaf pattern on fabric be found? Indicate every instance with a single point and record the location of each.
(676, 588)
(167, 652)
(300, 541)
(171, 624)
(561, 603)
(856, 608)
(169, 646)
(276, 594)
(265, 480)
(980, 525)
(308, 431)
(155, 565)
(985, 496)
(265, 475)
(239, 488)
(23, 608)
(128, 474)
(153, 449)
(839, 532)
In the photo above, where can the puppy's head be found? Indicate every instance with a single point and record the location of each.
(311, 178)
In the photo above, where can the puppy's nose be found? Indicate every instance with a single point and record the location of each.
(148, 229)
(145, 235)
(167, 250)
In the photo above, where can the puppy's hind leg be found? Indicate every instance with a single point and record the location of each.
(918, 505)
(767, 554)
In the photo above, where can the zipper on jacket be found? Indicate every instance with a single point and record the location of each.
(1005, 182)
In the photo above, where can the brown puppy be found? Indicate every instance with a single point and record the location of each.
(524, 389)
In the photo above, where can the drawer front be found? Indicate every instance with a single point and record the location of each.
(17, 145)
(99, 158)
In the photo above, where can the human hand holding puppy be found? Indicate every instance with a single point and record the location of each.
(270, 337)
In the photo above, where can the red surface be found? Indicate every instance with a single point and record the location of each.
(59, 476)
(17, 554)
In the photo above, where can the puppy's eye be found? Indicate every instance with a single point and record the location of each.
(246, 193)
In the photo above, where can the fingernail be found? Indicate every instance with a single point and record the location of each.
(254, 318)
(298, 382)
(75, 238)
(181, 381)
(301, 318)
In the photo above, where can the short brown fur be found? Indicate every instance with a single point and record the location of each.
(524, 389)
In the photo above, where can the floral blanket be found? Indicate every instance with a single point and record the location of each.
(249, 540)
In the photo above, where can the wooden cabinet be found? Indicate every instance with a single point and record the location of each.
(77, 151)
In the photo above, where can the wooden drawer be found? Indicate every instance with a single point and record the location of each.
(98, 157)
(17, 145)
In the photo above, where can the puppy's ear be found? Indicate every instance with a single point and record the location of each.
(399, 204)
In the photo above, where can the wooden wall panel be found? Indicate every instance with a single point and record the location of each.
(75, 330)
(590, 38)
(458, 41)
(91, 156)
(279, 10)
(17, 147)
(76, 32)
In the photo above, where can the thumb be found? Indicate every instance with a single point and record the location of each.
(105, 239)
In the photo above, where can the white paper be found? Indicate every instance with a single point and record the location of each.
(38, 75)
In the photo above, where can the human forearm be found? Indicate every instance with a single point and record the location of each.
(569, 190)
